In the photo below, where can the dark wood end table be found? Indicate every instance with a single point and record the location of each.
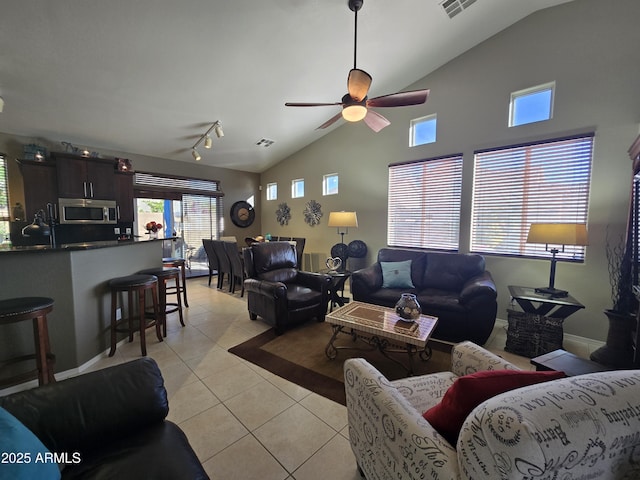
(570, 364)
(338, 279)
(538, 328)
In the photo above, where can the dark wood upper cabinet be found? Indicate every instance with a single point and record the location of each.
(80, 177)
(124, 196)
(40, 186)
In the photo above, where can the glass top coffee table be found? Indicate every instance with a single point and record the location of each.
(382, 329)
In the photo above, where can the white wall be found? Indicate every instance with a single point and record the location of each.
(589, 48)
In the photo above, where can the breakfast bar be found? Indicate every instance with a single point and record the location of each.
(75, 276)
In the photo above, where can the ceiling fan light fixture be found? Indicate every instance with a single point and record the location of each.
(354, 113)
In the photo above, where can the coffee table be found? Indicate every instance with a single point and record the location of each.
(382, 329)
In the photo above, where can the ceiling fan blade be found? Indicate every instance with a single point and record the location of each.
(401, 99)
(375, 121)
(331, 121)
(303, 104)
(358, 83)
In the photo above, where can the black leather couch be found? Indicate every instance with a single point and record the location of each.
(278, 291)
(114, 422)
(456, 288)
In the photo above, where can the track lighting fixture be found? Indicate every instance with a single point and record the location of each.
(206, 137)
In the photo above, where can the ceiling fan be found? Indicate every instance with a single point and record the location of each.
(355, 104)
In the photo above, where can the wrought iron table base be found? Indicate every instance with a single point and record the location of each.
(376, 342)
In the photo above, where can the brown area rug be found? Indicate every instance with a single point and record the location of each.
(299, 356)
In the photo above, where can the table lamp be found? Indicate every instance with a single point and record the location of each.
(343, 220)
(556, 234)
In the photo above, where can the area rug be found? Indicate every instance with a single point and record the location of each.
(299, 356)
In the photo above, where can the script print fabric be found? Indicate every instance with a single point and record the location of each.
(578, 428)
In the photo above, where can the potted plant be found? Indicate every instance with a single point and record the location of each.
(618, 350)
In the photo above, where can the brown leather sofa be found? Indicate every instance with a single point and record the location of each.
(278, 291)
(111, 422)
(454, 287)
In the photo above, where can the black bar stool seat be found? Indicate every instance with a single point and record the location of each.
(182, 265)
(134, 284)
(13, 310)
(165, 275)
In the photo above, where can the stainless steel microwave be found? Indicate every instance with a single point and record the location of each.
(87, 211)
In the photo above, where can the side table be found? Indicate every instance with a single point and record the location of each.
(338, 279)
(538, 328)
(570, 364)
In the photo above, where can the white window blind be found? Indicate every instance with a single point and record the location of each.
(544, 182)
(4, 190)
(424, 203)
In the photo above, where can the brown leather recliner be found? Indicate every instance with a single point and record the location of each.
(278, 291)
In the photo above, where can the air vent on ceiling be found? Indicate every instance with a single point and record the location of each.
(454, 7)
(265, 142)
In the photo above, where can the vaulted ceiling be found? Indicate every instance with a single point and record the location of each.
(149, 77)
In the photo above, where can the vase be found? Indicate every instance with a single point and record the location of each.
(618, 351)
(152, 234)
(408, 307)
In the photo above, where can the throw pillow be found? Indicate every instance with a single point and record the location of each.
(23, 453)
(396, 274)
(469, 391)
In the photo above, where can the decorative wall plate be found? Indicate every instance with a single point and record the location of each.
(283, 214)
(312, 213)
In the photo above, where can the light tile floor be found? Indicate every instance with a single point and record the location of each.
(243, 421)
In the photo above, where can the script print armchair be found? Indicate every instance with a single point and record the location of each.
(278, 291)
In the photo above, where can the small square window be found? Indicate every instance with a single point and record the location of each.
(330, 184)
(297, 188)
(531, 105)
(423, 130)
(272, 191)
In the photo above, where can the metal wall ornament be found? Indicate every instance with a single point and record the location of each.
(312, 213)
(283, 214)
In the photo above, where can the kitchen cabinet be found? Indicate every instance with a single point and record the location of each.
(124, 196)
(80, 177)
(40, 187)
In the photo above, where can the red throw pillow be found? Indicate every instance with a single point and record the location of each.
(469, 391)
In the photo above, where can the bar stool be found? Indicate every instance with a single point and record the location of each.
(20, 309)
(134, 284)
(181, 264)
(165, 275)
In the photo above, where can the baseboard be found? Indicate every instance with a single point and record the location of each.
(73, 372)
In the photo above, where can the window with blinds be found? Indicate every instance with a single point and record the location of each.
(513, 187)
(424, 203)
(4, 199)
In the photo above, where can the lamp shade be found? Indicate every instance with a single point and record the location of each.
(343, 219)
(558, 233)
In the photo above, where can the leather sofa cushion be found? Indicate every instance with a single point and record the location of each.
(299, 296)
(450, 272)
(284, 275)
(272, 256)
(161, 451)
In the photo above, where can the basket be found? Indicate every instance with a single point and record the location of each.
(531, 335)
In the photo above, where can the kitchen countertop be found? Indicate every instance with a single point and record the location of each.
(4, 248)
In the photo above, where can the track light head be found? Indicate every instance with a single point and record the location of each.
(208, 142)
(218, 129)
(196, 155)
